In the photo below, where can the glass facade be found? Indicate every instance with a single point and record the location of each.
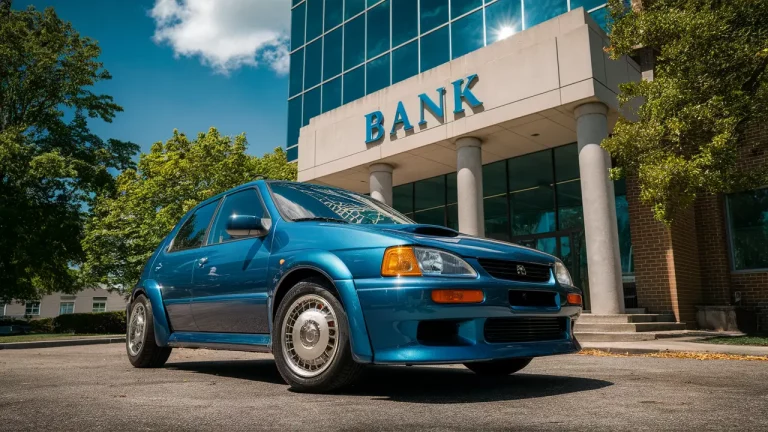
(534, 200)
(351, 48)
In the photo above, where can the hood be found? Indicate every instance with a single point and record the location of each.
(462, 244)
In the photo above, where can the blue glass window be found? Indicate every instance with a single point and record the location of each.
(294, 120)
(435, 49)
(586, 4)
(314, 63)
(297, 26)
(314, 19)
(503, 19)
(354, 42)
(354, 84)
(332, 94)
(292, 154)
(460, 7)
(353, 8)
(433, 14)
(404, 21)
(296, 80)
(334, 13)
(377, 74)
(538, 11)
(531, 186)
(295, 2)
(311, 105)
(602, 17)
(467, 34)
(378, 30)
(332, 54)
(405, 62)
(748, 229)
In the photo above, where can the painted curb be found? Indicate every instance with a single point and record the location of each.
(61, 343)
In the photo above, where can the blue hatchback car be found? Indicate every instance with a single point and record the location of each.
(330, 280)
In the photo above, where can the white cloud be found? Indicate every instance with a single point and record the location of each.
(226, 34)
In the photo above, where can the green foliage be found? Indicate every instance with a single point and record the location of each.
(710, 83)
(43, 325)
(171, 179)
(90, 323)
(49, 168)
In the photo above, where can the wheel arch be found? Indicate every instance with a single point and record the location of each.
(153, 292)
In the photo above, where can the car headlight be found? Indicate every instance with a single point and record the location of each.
(418, 261)
(562, 274)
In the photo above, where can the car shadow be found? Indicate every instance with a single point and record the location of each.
(434, 385)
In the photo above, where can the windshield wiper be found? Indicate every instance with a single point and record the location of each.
(321, 219)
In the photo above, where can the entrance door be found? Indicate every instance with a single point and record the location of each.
(229, 293)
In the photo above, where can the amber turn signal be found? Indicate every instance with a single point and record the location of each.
(574, 299)
(457, 296)
(400, 261)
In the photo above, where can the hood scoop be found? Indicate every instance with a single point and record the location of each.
(428, 230)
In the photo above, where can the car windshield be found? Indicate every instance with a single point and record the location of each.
(303, 201)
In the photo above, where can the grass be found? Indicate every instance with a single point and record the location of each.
(46, 337)
(738, 340)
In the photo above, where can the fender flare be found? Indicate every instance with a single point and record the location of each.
(334, 269)
(153, 291)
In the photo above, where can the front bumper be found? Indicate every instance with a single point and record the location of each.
(393, 310)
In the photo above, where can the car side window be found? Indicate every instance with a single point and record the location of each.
(192, 233)
(246, 202)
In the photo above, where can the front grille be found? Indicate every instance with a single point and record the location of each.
(528, 329)
(516, 270)
(532, 298)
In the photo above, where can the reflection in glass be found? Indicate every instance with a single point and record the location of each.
(467, 34)
(354, 42)
(460, 7)
(402, 198)
(333, 13)
(354, 84)
(353, 7)
(332, 94)
(404, 21)
(748, 220)
(296, 80)
(297, 26)
(496, 217)
(294, 119)
(433, 14)
(503, 19)
(314, 64)
(314, 19)
(311, 105)
(332, 54)
(538, 11)
(405, 62)
(378, 30)
(435, 49)
(292, 154)
(377, 74)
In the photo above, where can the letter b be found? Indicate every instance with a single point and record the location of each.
(374, 122)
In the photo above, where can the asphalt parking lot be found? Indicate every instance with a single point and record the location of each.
(94, 387)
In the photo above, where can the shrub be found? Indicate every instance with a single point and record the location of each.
(102, 322)
(12, 321)
(43, 325)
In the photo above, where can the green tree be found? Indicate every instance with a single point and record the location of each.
(50, 167)
(709, 85)
(171, 179)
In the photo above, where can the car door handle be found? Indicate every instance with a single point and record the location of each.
(201, 262)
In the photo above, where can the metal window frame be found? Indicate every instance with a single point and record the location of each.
(61, 303)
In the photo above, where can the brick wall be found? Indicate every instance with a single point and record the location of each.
(688, 264)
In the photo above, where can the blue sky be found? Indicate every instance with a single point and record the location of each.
(223, 69)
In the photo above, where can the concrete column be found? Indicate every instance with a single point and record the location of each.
(380, 182)
(469, 184)
(599, 202)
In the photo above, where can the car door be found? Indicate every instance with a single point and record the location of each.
(229, 293)
(173, 267)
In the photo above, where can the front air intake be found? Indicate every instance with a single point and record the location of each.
(525, 329)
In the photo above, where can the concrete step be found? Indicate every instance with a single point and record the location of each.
(627, 327)
(625, 318)
(628, 311)
(686, 335)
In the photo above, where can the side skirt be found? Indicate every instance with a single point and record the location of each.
(222, 341)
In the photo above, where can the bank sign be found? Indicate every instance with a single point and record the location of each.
(374, 122)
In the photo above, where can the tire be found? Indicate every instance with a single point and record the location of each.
(323, 362)
(142, 349)
(498, 367)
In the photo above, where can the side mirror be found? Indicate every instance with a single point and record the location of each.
(240, 226)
